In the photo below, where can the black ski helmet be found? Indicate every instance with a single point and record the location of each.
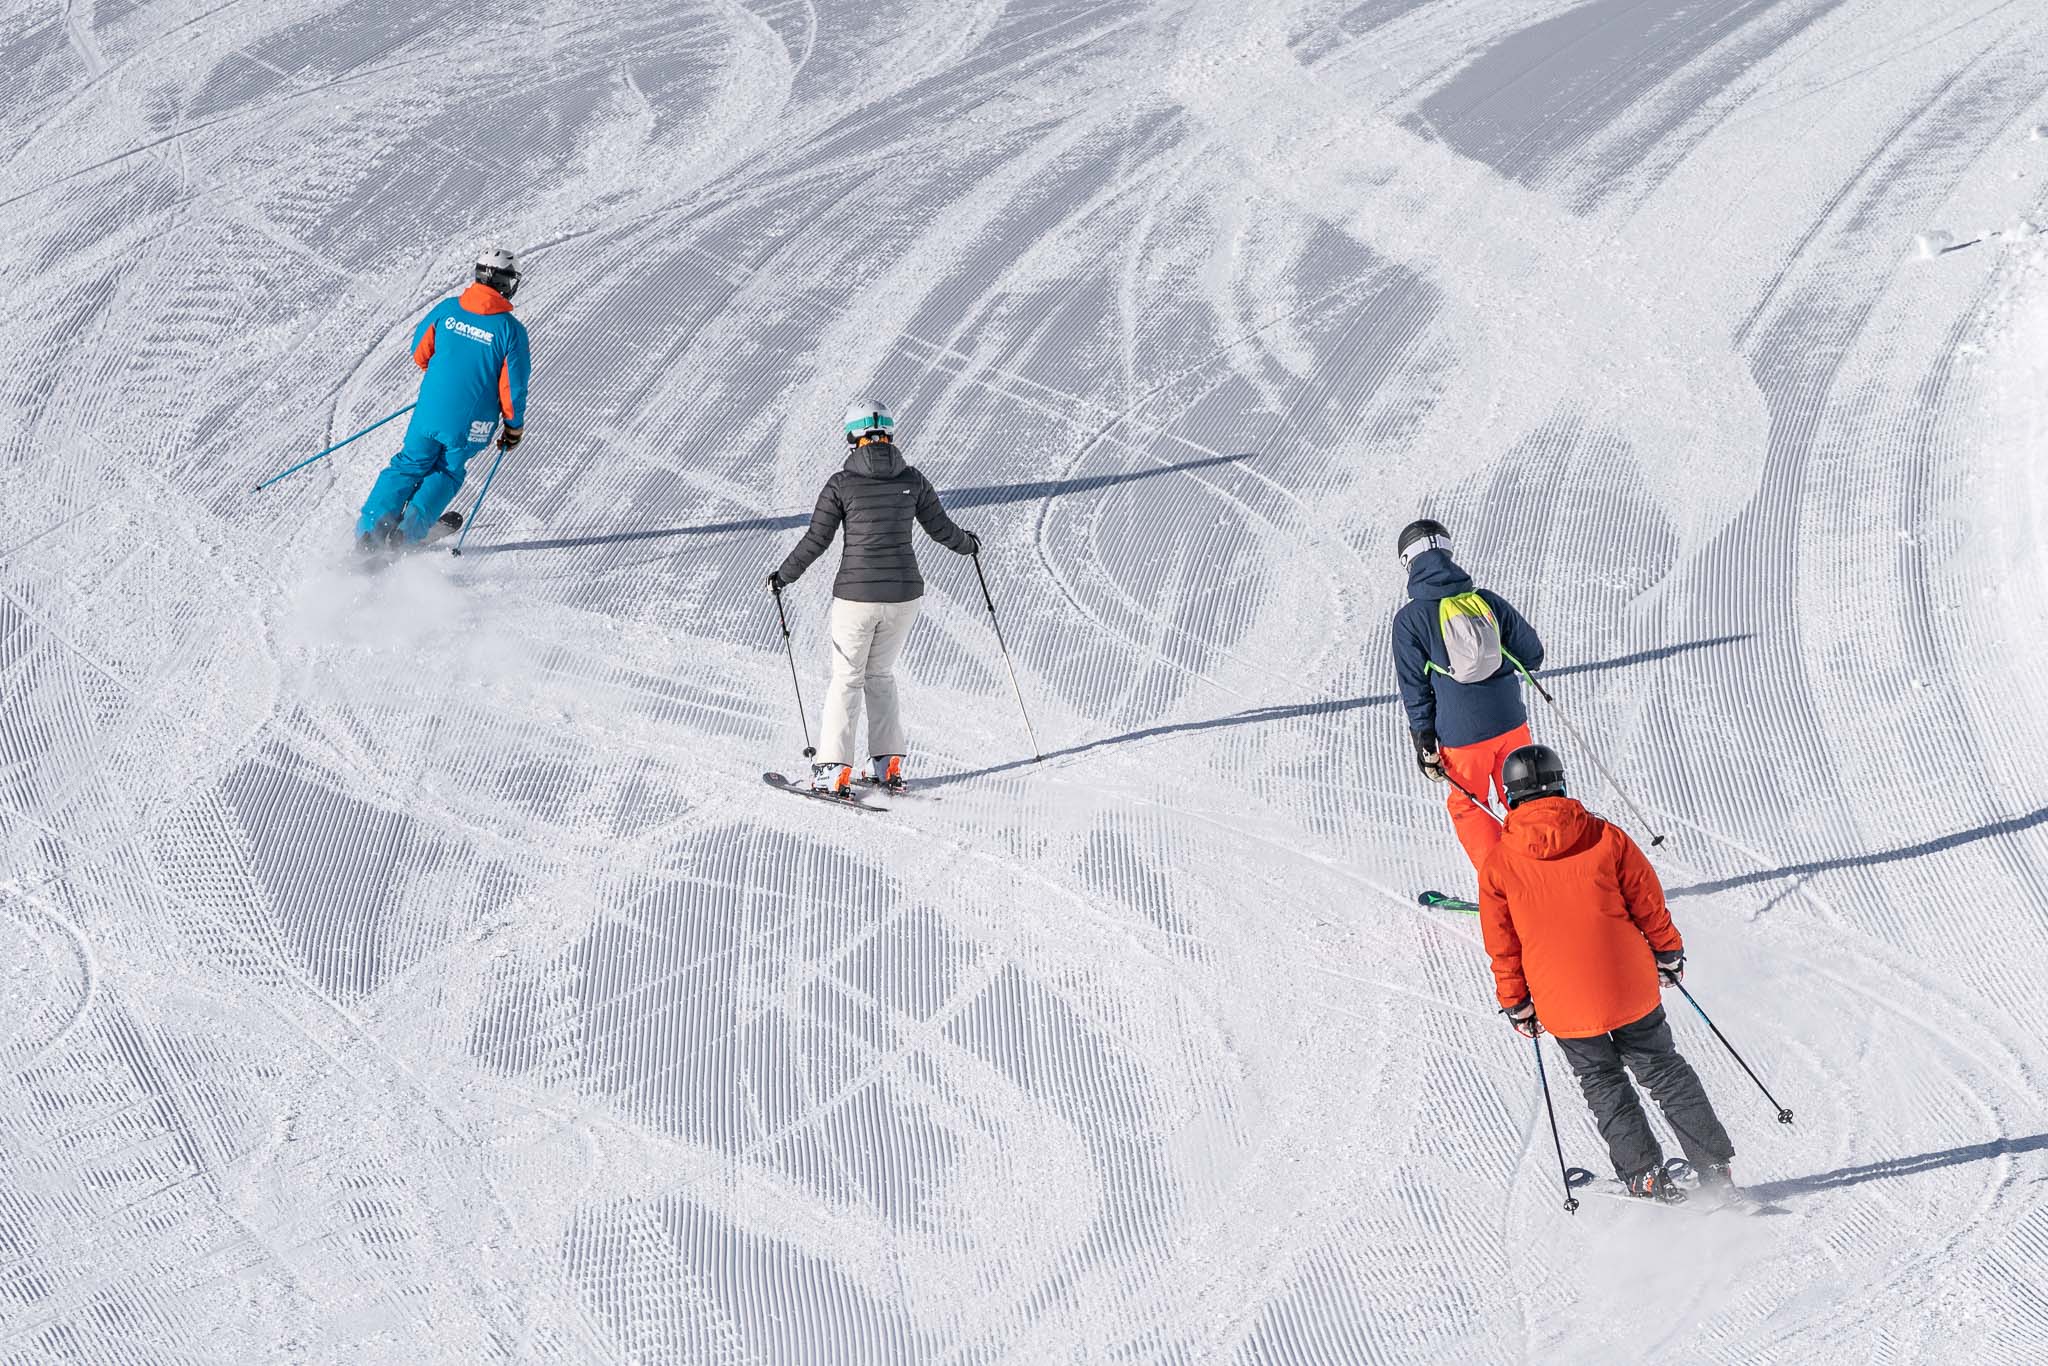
(1422, 535)
(1531, 771)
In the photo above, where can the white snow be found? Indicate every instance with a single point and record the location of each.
(412, 966)
(1933, 242)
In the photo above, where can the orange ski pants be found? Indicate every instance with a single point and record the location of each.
(1476, 768)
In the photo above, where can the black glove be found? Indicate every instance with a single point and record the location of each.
(509, 438)
(1429, 756)
(973, 542)
(775, 583)
(1671, 966)
(1523, 1018)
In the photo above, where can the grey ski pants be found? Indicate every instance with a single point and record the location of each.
(866, 639)
(1645, 1048)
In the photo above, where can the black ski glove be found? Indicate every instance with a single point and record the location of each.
(1429, 756)
(1671, 966)
(509, 438)
(973, 542)
(1523, 1018)
(775, 583)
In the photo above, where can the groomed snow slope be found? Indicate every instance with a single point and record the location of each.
(413, 968)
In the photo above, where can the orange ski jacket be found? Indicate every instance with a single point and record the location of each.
(1573, 917)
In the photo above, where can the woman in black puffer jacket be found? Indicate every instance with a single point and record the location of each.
(876, 595)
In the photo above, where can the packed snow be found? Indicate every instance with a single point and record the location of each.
(411, 966)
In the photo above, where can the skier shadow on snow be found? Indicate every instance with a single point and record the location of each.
(1992, 830)
(1290, 711)
(987, 495)
(1896, 1166)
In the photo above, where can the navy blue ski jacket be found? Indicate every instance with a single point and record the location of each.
(1459, 713)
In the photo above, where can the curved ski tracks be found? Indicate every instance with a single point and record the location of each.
(409, 967)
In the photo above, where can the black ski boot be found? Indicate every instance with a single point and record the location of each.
(379, 538)
(1716, 1176)
(1651, 1183)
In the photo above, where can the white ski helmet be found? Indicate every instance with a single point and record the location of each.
(499, 269)
(869, 418)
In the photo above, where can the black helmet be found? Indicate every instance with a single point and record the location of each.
(1531, 771)
(1417, 537)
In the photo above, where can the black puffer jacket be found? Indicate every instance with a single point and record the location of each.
(876, 495)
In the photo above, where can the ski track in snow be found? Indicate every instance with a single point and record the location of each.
(410, 966)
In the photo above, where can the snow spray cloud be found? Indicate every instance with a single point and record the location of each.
(403, 636)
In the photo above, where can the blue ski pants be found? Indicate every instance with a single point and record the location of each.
(419, 483)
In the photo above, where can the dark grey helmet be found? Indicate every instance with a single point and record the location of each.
(1531, 771)
(1422, 535)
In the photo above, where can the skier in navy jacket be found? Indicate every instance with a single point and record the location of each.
(1463, 731)
(477, 362)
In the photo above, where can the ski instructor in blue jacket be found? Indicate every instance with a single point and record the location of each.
(475, 355)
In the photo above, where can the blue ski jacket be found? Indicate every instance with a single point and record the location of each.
(1459, 713)
(475, 355)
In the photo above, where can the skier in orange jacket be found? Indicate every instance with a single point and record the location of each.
(1581, 942)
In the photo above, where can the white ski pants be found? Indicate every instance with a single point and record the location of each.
(866, 639)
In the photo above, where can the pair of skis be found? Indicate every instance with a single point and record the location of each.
(1696, 1197)
(856, 798)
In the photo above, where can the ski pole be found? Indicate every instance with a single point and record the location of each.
(1497, 818)
(1591, 756)
(1784, 1115)
(1037, 755)
(810, 750)
(1571, 1202)
(335, 447)
(470, 520)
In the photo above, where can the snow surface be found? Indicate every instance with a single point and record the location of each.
(412, 967)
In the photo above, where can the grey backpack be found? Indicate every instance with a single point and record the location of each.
(1471, 638)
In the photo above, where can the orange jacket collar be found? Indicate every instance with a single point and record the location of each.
(481, 298)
